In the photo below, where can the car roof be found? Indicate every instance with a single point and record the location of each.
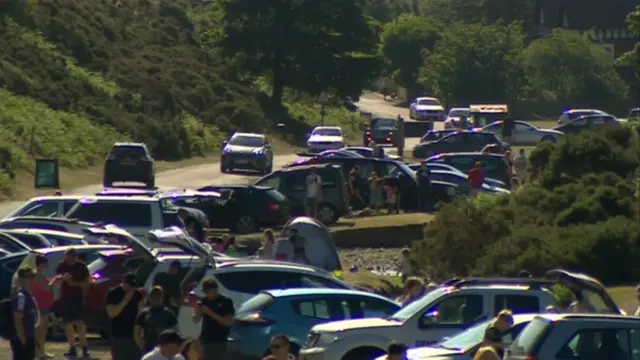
(570, 111)
(321, 291)
(327, 127)
(188, 192)
(44, 232)
(427, 98)
(59, 249)
(240, 186)
(477, 153)
(586, 316)
(460, 108)
(256, 135)
(129, 144)
(267, 265)
(47, 219)
(56, 197)
(88, 199)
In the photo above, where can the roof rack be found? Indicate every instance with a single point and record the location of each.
(531, 282)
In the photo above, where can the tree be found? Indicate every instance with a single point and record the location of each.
(475, 63)
(588, 77)
(403, 43)
(450, 11)
(632, 58)
(311, 45)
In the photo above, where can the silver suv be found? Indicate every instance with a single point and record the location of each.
(578, 336)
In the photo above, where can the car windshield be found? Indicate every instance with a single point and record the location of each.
(404, 169)
(459, 112)
(410, 310)
(132, 151)
(634, 113)
(250, 141)
(428, 102)
(468, 338)
(97, 265)
(327, 132)
(383, 123)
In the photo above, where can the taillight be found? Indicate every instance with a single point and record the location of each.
(273, 207)
(254, 319)
(281, 257)
(192, 300)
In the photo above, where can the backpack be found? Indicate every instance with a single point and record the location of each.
(6, 319)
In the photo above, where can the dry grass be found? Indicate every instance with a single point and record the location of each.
(99, 350)
(625, 297)
(382, 221)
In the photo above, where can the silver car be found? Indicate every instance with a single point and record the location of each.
(524, 133)
(247, 151)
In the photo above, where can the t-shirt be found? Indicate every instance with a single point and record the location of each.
(122, 325)
(170, 284)
(79, 272)
(22, 301)
(212, 331)
(155, 355)
(476, 177)
(153, 321)
(313, 182)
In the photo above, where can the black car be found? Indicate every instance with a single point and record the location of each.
(494, 165)
(242, 208)
(383, 168)
(129, 162)
(459, 141)
(587, 122)
(433, 135)
(383, 131)
(246, 151)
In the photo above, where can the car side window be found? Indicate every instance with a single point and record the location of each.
(375, 308)
(455, 311)
(121, 214)
(522, 127)
(272, 182)
(252, 282)
(597, 344)
(518, 304)
(318, 309)
(329, 179)
(462, 163)
(453, 139)
(42, 209)
(295, 181)
(365, 171)
(490, 164)
(310, 281)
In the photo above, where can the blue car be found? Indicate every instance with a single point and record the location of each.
(294, 312)
(462, 180)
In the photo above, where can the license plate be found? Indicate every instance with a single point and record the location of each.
(242, 161)
(128, 162)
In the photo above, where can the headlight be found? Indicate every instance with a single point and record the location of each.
(227, 150)
(325, 339)
(258, 152)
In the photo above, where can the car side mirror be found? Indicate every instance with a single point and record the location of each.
(224, 143)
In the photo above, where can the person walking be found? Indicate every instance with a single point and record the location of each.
(170, 283)
(280, 348)
(353, 183)
(75, 283)
(424, 187)
(406, 265)
(124, 302)
(169, 345)
(520, 164)
(313, 182)
(216, 313)
(43, 294)
(476, 179)
(153, 320)
(25, 314)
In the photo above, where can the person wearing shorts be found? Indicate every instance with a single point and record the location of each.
(43, 294)
(75, 281)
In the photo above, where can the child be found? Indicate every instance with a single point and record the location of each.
(392, 197)
(406, 268)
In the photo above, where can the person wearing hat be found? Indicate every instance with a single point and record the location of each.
(25, 317)
(153, 320)
(491, 348)
(75, 283)
(476, 179)
(170, 283)
(124, 302)
(169, 346)
(216, 313)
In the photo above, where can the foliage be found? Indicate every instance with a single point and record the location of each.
(632, 58)
(588, 79)
(580, 215)
(313, 46)
(475, 63)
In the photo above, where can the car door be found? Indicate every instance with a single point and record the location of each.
(294, 183)
(447, 317)
(524, 134)
(315, 310)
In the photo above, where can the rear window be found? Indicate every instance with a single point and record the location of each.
(129, 151)
(124, 214)
(526, 342)
(276, 195)
(257, 303)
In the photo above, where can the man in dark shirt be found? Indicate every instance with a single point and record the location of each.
(195, 221)
(153, 320)
(216, 312)
(75, 282)
(170, 283)
(124, 302)
(25, 317)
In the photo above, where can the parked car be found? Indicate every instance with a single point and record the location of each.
(459, 141)
(367, 152)
(572, 114)
(462, 181)
(448, 168)
(587, 122)
(242, 280)
(73, 226)
(433, 135)
(294, 312)
(426, 109)
(446, 311)
(12, 245)
(577, 336)
(464, 345)
(494, 165)
(290, 182)
(524, 133)
(325, 138)
(56, 238)
(459, 112)
(127, 191)
(45, 206)
(31, 239)
(268, 207)
(129, 162)
(247, 151)
(383, 131)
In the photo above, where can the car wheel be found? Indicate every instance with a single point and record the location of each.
(245, 224)
(547, 138)
(327, 214)
(56, 328)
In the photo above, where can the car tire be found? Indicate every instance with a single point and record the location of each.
(548, 138)
(245, 224)
(327, 214)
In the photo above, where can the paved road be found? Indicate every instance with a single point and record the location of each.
(201, 175)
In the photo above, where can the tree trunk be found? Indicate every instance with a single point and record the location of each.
(277, 86)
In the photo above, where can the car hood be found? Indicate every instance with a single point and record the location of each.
(429, 107)
(430, 352)
(240, 149)
(338, 326)
(324, 138)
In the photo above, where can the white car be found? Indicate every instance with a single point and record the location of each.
(54, 205)
(570, 115)
(524, 133)
(325, 138)
(458, 112)
(426, 109)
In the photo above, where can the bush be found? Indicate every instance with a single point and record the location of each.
(580, 215)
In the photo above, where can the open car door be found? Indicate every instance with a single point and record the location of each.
(591, 289)
(175, 237)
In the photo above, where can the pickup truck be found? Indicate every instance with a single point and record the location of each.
(136, 214)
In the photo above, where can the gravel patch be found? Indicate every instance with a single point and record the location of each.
(382, 260)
